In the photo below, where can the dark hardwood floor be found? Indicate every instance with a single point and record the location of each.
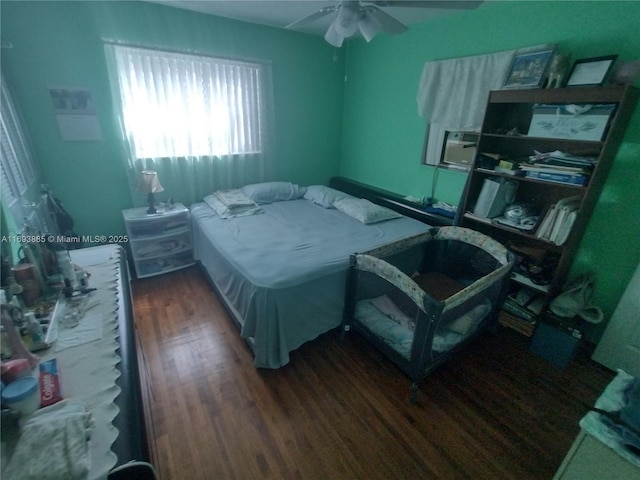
(339, 409)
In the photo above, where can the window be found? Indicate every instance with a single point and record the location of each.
(178, 105)
(22, 201)
(18, 171)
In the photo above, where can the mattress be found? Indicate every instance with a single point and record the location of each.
(282, 273)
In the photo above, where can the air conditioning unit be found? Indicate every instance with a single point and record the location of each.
(459, 149)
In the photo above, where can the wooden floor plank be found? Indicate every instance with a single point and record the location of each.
(340, 409)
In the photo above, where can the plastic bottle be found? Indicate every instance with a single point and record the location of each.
(34, 328)
(66, 267)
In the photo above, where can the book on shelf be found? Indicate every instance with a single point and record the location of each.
(565, 228)
(579, 179)
(525, 303)
(533, 167)
(562, 159)
(525, 327)
(546, 224)
(556, 225)
(559, 167)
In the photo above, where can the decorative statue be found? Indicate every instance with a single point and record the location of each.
(558, 70)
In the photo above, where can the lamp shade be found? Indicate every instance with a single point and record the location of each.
(149, 182)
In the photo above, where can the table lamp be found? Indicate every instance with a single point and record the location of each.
(150, 184)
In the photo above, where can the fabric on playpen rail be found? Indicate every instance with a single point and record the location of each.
(420, 299)
(373, 261)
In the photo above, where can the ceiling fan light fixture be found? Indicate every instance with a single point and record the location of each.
(346, 22)
(369, 27)
(333, 37)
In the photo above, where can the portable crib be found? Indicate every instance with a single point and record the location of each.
(422, 299)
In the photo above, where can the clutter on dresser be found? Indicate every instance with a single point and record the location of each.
(62, 412)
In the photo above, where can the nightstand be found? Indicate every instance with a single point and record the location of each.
(159, 242)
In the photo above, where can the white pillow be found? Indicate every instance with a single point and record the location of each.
(269, 192)
(324, 196)
(464, 323)
(364, 210)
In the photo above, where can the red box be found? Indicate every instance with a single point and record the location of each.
(49, 380)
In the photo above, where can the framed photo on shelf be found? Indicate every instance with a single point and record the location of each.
(528, 70)
(591, 71)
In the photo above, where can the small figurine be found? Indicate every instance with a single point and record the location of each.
(558, 70)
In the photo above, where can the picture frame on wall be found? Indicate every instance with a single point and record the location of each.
(528, 70)
(591, 71)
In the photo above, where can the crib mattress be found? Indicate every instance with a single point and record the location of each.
(395, 328)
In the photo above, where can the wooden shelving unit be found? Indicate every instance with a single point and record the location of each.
(507, 121)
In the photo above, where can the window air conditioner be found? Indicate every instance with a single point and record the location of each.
(459, 148)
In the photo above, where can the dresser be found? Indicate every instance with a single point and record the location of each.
(98, 364)
(590, 459)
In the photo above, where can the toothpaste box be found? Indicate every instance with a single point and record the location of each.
(50, 392)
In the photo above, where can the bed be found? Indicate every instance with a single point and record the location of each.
(421, 299)
(281, 270)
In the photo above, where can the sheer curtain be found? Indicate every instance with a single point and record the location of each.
(201, 122)
(453, 93)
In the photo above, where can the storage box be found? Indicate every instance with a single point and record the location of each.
(555, 342)
(574, 122)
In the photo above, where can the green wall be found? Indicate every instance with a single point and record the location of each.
(60, 44)
(367, 128)
(383, 134)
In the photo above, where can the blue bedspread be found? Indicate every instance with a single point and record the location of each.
(283, 272)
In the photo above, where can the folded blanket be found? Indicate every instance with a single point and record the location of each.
(233, 198)
(232, 203)
(53, 444)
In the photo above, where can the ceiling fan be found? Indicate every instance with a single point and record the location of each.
(369, 18)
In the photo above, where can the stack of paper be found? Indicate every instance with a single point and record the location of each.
(559, 167)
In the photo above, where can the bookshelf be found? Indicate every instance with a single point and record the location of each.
(545, 253)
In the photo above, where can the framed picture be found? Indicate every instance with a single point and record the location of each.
(591, 71)
(528, 70)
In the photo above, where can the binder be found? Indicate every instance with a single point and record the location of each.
(564, 208)
(494, 197)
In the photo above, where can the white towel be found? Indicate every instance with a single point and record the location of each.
(59, 436)
(611, 400)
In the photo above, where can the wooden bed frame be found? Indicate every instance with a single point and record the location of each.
(390, 200)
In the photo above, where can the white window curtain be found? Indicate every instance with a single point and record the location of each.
(203, 123)
(452, 94)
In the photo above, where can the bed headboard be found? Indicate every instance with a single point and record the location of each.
(388, 199)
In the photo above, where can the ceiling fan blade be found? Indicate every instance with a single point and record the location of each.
(443, 4)
(314, 16)
(388, 24)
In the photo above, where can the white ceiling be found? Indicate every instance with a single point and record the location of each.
(280, 13)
